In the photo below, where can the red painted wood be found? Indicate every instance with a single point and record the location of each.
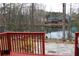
(76, 43)
(10, 38)
(18, 54)
(43, 42)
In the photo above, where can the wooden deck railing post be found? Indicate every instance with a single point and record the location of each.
(43, 39)
(9, 41)
(76, 44)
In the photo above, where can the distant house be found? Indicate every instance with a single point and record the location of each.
(56, 17)
(54, 20)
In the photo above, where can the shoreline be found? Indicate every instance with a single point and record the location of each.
(59, 41)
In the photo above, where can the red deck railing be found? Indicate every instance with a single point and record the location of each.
(23, 43)
(27, 43)
(76, 43)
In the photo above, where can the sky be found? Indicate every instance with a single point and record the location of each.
(51, 5)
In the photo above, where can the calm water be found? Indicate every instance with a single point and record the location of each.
(59, 35)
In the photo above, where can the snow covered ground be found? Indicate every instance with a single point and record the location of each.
(59, 49)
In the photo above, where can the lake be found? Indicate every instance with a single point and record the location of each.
(59, 35)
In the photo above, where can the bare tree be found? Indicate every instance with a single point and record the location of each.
(64, 18)
(22, 17)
